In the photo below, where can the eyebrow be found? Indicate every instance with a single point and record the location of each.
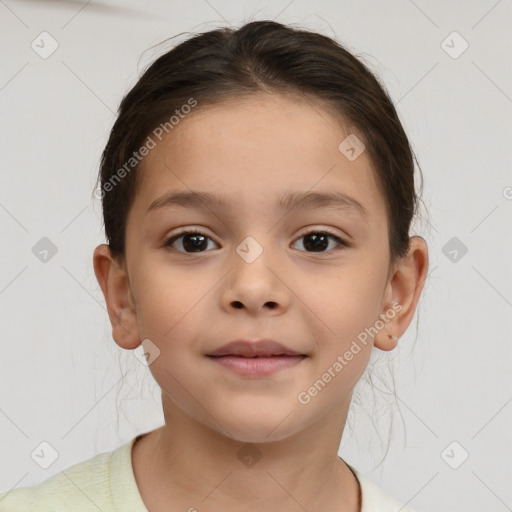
(289, 201)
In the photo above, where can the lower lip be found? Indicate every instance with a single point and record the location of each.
(257, 366)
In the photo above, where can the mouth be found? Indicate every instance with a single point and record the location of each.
(254, 348)
(256, 358)
(257, 366)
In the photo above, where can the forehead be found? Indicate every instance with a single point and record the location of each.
(261, 146)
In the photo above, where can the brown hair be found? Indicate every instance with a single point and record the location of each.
(260, 56)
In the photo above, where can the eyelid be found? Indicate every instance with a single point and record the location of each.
(307, 230)
(185, 231)
(322, 229)
(341, 240)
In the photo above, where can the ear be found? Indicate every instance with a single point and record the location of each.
(402, 294)
(113, 280)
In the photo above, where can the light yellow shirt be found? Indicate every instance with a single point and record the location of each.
(106, 483)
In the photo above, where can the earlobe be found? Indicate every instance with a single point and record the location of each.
(402, 294)
(113, 280)
(385, 341)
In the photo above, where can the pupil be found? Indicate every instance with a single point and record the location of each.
(317, 242)
(198, 244)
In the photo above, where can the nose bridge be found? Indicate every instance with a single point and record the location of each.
(254, 281)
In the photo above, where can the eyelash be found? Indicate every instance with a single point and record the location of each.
(342, 243)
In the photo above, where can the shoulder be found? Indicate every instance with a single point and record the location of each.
(376, 499)
(88, 485)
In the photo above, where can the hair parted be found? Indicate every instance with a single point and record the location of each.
(260, 57)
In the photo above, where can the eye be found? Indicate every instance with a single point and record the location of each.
(193, 241)
(319, 240)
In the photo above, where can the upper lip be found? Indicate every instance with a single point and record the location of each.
(248, 348)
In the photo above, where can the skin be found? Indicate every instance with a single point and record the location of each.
(251, 151)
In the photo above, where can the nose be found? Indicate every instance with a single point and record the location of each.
(256, 286)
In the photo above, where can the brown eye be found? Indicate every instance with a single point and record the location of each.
(192, 241)
(318, 241)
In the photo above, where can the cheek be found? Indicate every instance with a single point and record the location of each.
(171, 309)
(168, 298)
(342, 303)
(342, 309)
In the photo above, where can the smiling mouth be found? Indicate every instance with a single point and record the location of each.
(257, 356)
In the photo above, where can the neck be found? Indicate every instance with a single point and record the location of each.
(188, 465)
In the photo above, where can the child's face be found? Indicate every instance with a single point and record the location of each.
(250, 153)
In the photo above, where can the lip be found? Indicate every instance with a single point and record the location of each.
(257, 366)
(258, 358)
(254, 348)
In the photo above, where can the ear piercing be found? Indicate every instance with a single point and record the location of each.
(393, 337)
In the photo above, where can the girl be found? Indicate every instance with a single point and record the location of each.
(257, 192)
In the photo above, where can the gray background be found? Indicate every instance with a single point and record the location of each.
(62, 378)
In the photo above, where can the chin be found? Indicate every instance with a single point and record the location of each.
(257, 427)
(258, 436)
